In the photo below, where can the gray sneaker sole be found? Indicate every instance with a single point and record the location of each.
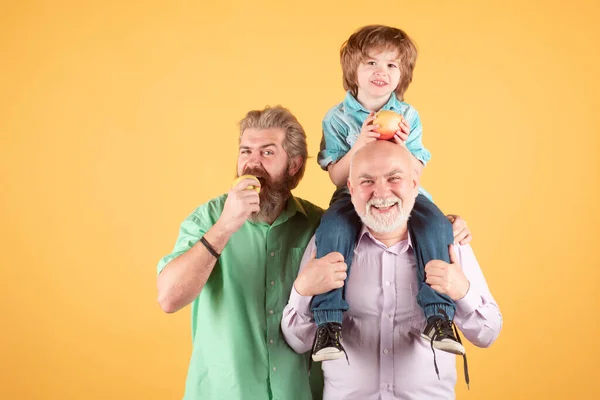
(327, 354)
(448, 346)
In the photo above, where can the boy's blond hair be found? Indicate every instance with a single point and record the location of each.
(294, 142)
(371, 38)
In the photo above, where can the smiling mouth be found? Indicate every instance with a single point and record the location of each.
(384, 208)
(379, 83)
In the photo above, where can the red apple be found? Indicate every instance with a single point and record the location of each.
(389, 123)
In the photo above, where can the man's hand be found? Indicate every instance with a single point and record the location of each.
(461, 232)
(320, 275)
(447, 278)
(240, 203)
(367, 132)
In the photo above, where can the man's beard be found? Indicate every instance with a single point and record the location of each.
(384, 223)
(274, 193)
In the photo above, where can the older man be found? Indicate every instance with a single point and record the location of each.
(235, 260)
(382, 330)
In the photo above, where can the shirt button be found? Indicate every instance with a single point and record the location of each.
(272, 283)
(385, 351)
(272, 254)
(271, 341)
(274, 369)
(390, 316)
(387, 283)
(271, 312)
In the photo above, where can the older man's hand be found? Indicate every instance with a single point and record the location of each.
(320, 275)
(462, 234)
(447, 278)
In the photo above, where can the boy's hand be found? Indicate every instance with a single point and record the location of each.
(401, 135)
(367, 132)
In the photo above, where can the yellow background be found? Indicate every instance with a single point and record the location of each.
(118, 118)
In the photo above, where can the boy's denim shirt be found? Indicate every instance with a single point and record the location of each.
(343, 122)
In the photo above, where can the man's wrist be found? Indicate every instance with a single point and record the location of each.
(465, 291)
(299, 288)
(300, 302)
(218, 236)
(470, 302)
(210, 247)
(222, 230)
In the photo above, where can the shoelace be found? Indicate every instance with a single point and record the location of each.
(441, 327)
(330, 332)
(334, 334)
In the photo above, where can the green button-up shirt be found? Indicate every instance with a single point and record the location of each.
(238, 350)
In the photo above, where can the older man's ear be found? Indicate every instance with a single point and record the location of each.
(350, 188)
(418, 165)
(415, 182)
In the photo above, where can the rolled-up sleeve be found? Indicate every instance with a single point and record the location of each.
(190, 232)
(297, 323)
(477, 314)
(334, 144)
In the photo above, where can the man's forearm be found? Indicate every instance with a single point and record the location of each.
(477, 313)
(183, 278)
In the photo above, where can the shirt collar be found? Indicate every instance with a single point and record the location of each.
(398, 248)
(351, 105)
(292, 208)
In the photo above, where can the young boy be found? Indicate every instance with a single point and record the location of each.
(377, 63)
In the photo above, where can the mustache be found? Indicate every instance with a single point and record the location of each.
(260, 173)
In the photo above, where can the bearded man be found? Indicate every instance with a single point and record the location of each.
(381, 331)
(235, 261)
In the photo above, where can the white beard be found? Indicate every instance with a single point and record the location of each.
(388, 222)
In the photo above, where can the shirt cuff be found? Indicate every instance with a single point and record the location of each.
(330, 157)
(421, 159)
(469, 303)
(300, 303)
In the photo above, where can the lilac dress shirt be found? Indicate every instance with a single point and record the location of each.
(381, 330)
